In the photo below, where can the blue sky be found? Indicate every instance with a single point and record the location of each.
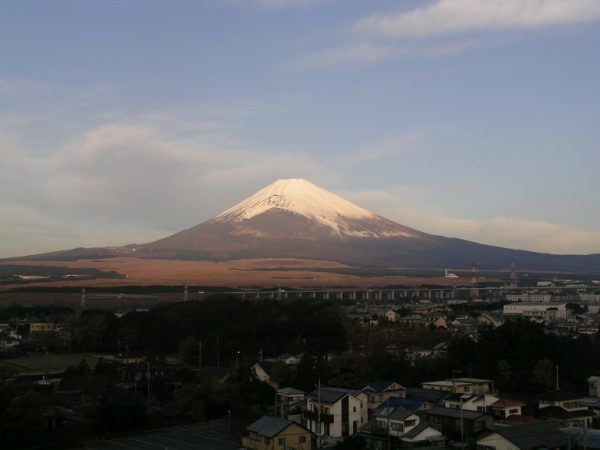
(123, 121)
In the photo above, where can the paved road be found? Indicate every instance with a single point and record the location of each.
(201, 436)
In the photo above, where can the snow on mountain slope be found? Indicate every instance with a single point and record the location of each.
(299, 196)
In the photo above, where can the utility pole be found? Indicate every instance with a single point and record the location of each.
(462, 427)
(199, 355)
(218, 355)
(148, 377)
(319, 408)
(389, 437)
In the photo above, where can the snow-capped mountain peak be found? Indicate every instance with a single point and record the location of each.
(299, 196)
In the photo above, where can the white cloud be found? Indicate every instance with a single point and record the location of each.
(408, 206)
(345, 55)
(156, 174)
(359, 54)
(457, 16)
(441, 28)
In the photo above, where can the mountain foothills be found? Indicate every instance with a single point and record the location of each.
(293, 218)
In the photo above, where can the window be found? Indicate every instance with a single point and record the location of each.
(396, 426)
(410, 423)
(354, 409)
(281, 442)
(267, 441)
(301, 439)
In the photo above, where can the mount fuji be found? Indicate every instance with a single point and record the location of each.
(294, 218)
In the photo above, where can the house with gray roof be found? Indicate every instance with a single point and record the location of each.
(381, 390)
(525, 437)
(399, 425)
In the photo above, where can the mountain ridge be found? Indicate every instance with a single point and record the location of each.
(297, 219)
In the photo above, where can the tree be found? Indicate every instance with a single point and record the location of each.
(542, 376)
(188, 351)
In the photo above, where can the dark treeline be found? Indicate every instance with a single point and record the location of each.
(225, 326)
(20, 312)
(521, 357)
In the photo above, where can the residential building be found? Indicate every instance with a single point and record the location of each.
(470, 402)
(271, 433)
(336, 412)
(390, 315)
(460, 385)
(563, 409)
(594, 386)
(534, 297)
(537, 310)
(504, 408)
(289, 400)
(8, 344)
(427, 398)
(525, 437)
(41, 327)
(381, 390)
(262, 372)
(458, 424)
(400, 425)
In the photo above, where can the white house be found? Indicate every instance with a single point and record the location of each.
(336, 412)
(470, 402)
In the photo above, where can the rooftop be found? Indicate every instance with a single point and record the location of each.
(330, 394)
(534, 435)
(268, 426)
(383, 385)
(453, 412)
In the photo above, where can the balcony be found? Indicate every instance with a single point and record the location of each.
(313, 415)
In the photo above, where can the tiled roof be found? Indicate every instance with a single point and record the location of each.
(381, 385)
(453, 412)
(503, 403)
(535, 435)
(268, 426)
(416, 430)
(290, 391)
(331, 395)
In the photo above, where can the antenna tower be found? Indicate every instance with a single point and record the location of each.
(474, 291)
(82, 306)
(513, 274)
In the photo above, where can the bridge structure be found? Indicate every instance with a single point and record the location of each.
(439, 294)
